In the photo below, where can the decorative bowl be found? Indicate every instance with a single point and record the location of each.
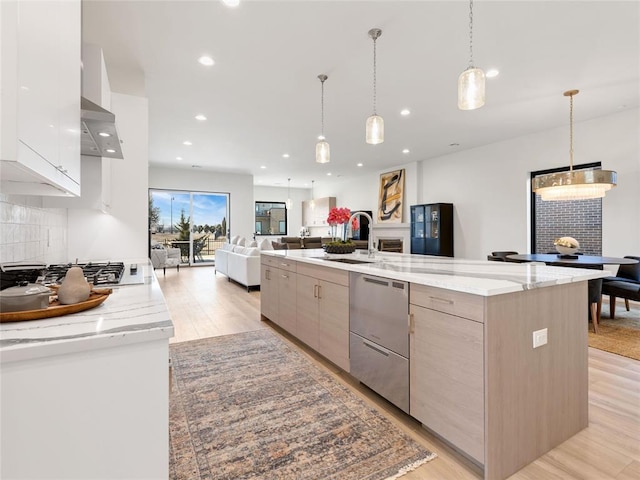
(566, 245)
(340, 247)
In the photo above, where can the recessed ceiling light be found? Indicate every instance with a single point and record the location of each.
(231, 3)
(111, 150)
(329, 174)
(492, 73)
(104, 134)
(178, 158)
(206, 60)
(359, 165)
(263, 167)
(405, 112)
(187, 142)
(406, 150)
(285, 155)
(201, 117)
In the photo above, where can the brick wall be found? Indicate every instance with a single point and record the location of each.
(580, 219)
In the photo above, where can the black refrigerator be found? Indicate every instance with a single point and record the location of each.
(432, 229)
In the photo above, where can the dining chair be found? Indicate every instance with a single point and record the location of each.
(627, 274)
(501, 256)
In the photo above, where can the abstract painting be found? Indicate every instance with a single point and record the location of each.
(390, 198)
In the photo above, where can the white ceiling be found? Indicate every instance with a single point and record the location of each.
(262, 97)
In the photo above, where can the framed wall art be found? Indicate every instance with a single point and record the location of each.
(391, 197)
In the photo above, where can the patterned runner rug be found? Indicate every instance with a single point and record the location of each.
(249, 406)
(621, 335)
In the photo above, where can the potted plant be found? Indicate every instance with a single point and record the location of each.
(338, 220)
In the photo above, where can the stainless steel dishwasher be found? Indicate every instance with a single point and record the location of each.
(379, 335)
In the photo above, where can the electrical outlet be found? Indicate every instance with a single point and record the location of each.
(540, 338)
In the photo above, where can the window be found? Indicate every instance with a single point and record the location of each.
(271, 218)
(580, 219)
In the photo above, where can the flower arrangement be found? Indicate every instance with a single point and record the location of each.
(338, 219)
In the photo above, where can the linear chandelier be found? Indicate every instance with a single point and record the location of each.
(574, 185)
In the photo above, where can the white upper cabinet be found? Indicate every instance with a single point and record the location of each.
(41, 42)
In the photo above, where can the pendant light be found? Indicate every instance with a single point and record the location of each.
(322, 147)
(375, 123)
(289, 201)
(580, 185)
(313, 202)
(471, 81)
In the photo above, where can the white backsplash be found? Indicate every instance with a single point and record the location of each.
(29, 232)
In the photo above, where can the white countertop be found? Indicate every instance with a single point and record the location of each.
(477, 277)
(131, 314)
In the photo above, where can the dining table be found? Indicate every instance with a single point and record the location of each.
(579, 261)
(584, 261)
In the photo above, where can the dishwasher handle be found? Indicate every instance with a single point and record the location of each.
(377, 281)
(375, 347)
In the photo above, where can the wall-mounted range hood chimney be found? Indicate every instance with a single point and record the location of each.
(99, 134)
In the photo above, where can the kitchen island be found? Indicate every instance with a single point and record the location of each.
(497, 361)
(87, 395)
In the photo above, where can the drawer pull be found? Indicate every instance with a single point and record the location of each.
(285, 276)
(367, 344)
(443, 300)
(284, 264)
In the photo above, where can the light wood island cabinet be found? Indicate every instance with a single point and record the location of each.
(278, 291)
(477, 381)
(323, 311)
(309, 302)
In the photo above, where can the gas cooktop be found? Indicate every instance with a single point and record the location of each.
(107, 273)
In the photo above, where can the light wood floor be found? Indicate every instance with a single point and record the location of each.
(203, 305)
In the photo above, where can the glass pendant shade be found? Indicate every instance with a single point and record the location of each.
(322, 152)
(289, 204)
(471, 89)
(313, 204)
(375, 130)
(574, 185)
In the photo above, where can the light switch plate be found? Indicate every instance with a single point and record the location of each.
(539, 338)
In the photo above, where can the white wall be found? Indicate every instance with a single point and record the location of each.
(489, 186)
(239, 187)
(122, 234)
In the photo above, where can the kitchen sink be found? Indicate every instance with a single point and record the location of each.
(345, 260)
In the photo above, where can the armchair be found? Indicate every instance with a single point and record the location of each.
(165, 257)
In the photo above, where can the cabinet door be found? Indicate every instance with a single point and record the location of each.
(286, 300)
(446, 378)
(307, 310)
(268, 292)
(333, 323)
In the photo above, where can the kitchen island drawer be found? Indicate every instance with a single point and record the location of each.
(448, 301)
(283, 263)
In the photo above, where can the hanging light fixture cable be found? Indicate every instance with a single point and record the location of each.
(375, 123)
(471, 82)
(289, 201)
(313, 201)
(574, 185)
(322, 147)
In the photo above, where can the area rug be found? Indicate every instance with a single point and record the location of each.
(621, 335)
(249, 406)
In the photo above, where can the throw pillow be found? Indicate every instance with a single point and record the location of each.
(280, 246)
(234, 240)
(241, 242)
(265, 244)
(253, 244)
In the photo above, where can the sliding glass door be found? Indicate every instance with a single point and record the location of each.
(194, 222)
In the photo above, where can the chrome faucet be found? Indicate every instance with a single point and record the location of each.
(371, 250)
